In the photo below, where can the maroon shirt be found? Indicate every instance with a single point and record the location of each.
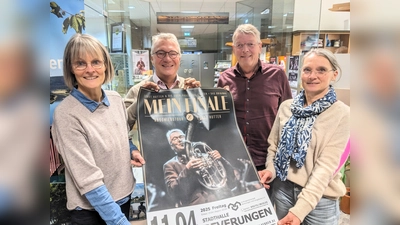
(256, 104)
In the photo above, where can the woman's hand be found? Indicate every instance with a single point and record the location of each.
(265, 177)
(289, 219)
(137, 159)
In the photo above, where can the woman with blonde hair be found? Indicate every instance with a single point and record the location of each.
(90, 131)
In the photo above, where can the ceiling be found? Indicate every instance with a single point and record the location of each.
(140, 13)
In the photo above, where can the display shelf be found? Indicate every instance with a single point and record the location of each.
(220, 66)
(335, 41)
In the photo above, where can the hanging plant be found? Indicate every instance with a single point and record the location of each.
(74, 21)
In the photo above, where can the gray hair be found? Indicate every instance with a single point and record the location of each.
(168, 134)
(327, 55)
(164, 36)
(77, 47)
(246, 29)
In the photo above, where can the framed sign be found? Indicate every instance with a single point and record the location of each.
(192, 18)
(117, 37)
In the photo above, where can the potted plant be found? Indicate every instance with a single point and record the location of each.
(345, 200)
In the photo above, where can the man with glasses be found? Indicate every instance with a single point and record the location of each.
(258, 89)
(165, 57)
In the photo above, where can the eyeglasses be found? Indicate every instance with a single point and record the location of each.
(162, 54)
(177, 138)
(319, 72)
(81, 65)
(249, 45)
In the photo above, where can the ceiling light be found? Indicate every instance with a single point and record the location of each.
(187, 26)
(269, 27)
(265, 11)
(115, 10)
(189, 11)
(131, 7)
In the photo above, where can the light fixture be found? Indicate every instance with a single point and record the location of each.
(189, 11)
(131, 7)
(187, 26)
(265, 11)
(115, 10)
(269, 27)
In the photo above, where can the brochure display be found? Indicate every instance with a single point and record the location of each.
(198, 169)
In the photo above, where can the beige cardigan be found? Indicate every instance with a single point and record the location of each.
(330, 134)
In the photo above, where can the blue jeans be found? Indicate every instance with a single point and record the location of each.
(285, 194)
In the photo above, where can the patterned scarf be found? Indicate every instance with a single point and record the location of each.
(296, 133)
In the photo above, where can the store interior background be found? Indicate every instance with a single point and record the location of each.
(284, 19)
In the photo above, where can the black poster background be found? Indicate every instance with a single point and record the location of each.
(220, 133)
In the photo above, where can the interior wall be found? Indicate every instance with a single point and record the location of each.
(331, 20)
(342, 86)
(307, 12)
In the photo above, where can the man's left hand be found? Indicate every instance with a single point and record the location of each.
(191, 83)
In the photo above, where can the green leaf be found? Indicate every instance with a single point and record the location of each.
(65, 25)
(53, 5)
(74, 24)
(81, 22)
(55, 9)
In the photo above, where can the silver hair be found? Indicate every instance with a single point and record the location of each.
(246, 29)
(168, 134)
(164, 36)
(327, 55)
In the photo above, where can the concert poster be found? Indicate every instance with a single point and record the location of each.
(198, 170)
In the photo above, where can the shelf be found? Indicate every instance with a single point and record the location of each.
(267, 41)
(341, 7)
(220, 66)
(305, 40)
